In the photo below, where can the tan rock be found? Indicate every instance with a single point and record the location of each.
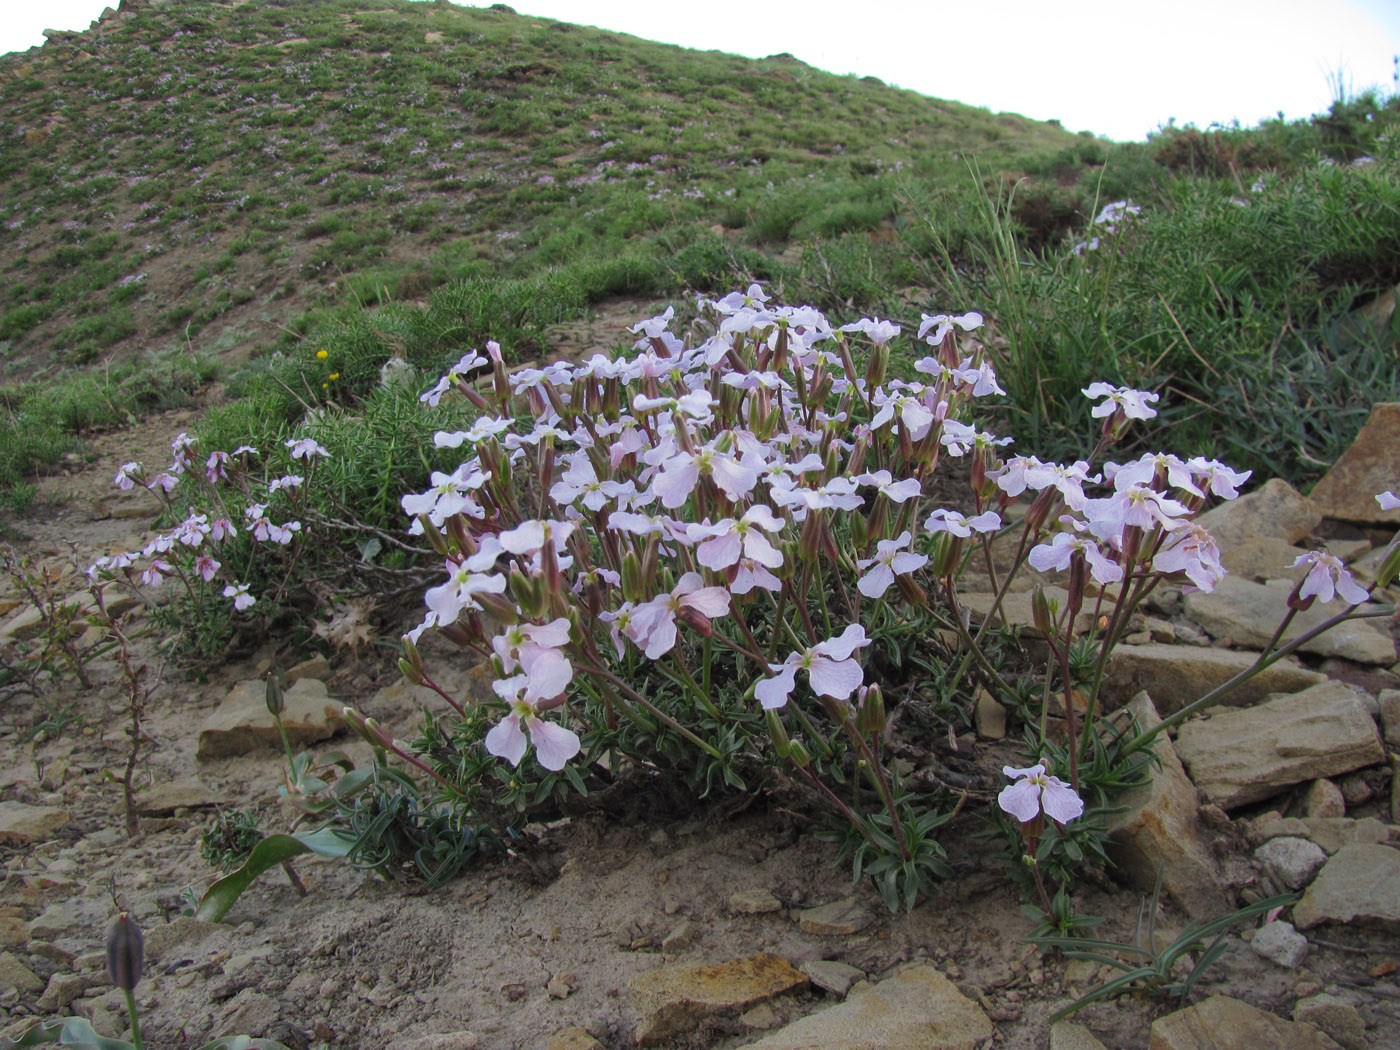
(21, 824)
(1371, 465)
(1324, 799)
(1242, 755)
(15, 974)
(1157, 829)
(1359, 884)
(837, 919)
(1264, 558)
(672, 1000)
(242, 723)
(1066, 1035)
(1222, 1023)
(1275, 510)
(918, 1009)
(1177, 675)
(442, 1041)
(574, 1038)
(164, 799)
(756, 901)
(1249, 613)
(1335, 1016)
(989, 717)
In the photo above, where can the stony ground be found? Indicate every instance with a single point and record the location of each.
(727, 925)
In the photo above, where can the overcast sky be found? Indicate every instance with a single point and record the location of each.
(1118, 69)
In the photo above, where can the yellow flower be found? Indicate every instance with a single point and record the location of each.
(334, 375)
(321, 355)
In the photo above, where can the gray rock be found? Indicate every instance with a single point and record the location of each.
(14, 973)
(989, 717)
(680, 938)
(1275, 510)
(63, 919)
(1222, 1023)
(1292, 861)
(754, 902)
(1331, 833)
(459, 1041)
(1265, 558)
(1359, 884)
(164, 799)
(1066, 1035)
(918, 1009)
(672, 1000)
(1369, 466)
(1249, 613)
(21, 825)
(831, 976)
(242, 722)
(1243, 755)
(1157, 828)
(61, 990)
(1335, 1016)
(1324, 799)
(185, 933)
(1176, 676)
(1279, 942)
(1390, 715)
(838, 919)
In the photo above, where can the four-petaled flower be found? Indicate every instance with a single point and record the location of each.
(891, 560)
(554, 744)
(1035, 793)
(1133, 403)
(830, 669)
(1327, 578)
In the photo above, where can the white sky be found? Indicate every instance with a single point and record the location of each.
(1120, 69)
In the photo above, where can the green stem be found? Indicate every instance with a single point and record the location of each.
(136, 1041)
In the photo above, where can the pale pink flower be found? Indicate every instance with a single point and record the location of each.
(934, 327)
(1388, 501)
(891, 560)
(128, 471)
(305, 448)
(653, 625)
(535, 648)
(1327, 578)
(239, 593)
(1057, 554)
(1035, 792)
(1192, 550)
(1134, 403)
(447, 600)
(944, 520)
(554, 744)
(206, 567)
(830, 668)
(724, 543)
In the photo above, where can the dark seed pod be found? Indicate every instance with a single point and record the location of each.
(126, 956)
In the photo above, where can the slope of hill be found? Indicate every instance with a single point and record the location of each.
(201, 173)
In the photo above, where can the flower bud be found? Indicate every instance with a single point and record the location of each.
(798, 755)
(1040, 611)
(947, 554)
(910, 591)
(1078, 579)
(696, 620)
(272, 694)
(529, 594)
(435, 538)
(870, 711)
(499, 608)
(1298, 603)
(632, 589)
(1390, 566)
(860, 531)
(126, 956)
(777, 732)
(876, 366)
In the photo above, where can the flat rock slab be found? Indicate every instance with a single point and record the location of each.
(242, 723)
(757, 901)
(838, 919)
(1331, 833)
(1246, 754)
(1066, 1035)
(1156, 830)
(1275, 510)
(1222, 1023)
(186, 793)
(1359, 884)
(1371, 465)
(1177, 675)
(1249, 613)
(673, 1000)
(21, 824)
(1016, 609)
(918, 1009)
(832, 976)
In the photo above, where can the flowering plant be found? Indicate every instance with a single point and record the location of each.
(687, 556)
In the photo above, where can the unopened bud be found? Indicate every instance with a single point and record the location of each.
(870, 711)
(126, 955)
(696, 620)
(1297, 602)
(529, 593)
(860, 532)
(1390, 566)
(1078, 579)
(1040, 611)
(876, 366)
(910, 591)
(632, 589)
(272, 694)
(777, 732)
(798, 755)
(434, 536)
(947, 554)
(499, 608)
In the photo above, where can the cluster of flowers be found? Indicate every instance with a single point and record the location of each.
(190, 550)
(755, 480)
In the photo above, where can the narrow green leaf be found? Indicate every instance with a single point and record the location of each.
(270, 852)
